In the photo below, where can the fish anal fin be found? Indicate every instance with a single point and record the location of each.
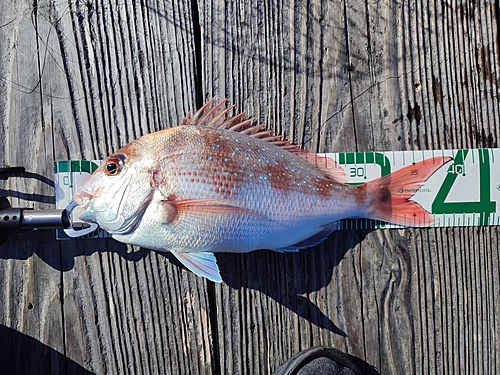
(388, 197)
(203, 264)
(311, 241)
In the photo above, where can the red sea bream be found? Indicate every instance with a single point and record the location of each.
(221, 184)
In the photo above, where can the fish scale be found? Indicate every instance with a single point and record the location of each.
(222, 184)
(269, 174)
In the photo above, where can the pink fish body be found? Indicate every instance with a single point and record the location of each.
(221, 184)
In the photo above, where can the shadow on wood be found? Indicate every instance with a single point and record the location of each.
(21, 354)
(288, 278)
(28, 196)
(285, 277)
(48, 248)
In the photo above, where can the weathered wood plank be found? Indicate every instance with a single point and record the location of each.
(31, 313)
(362, 76)
(78, 81)
(285, 63)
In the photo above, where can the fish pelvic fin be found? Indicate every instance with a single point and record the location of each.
(202, 264)
(388, 197)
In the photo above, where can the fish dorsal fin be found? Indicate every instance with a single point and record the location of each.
(214, 115)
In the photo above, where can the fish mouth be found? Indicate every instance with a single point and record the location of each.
(82, 198)
(113, 220)
(83, 214)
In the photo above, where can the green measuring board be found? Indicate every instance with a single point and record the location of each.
(464, 192)
(69, 175)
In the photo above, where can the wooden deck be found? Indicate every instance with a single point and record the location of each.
(78, 79)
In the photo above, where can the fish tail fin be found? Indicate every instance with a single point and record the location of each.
(388, 197)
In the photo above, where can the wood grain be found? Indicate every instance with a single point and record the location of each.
(364, 76)
(80, 79)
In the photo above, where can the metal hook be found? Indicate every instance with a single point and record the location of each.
(71, 232)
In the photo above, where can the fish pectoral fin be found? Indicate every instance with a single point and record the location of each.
(314, 240)
(208, 206)
(203, 264)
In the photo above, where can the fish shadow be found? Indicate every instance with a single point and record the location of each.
(289, 278)
(21, 354)
(61, 254)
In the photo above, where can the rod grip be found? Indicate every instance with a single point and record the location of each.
(10, 219)
(45, 219)
(14, 219)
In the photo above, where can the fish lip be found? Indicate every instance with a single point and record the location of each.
(82, 198)
(83, 214)
(81, 211)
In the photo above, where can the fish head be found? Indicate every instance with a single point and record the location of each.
(118, 192)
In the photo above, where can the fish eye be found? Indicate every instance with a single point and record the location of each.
(113, 166)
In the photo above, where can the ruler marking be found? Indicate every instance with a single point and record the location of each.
(460, 210)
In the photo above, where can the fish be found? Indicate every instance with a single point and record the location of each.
(221, 183)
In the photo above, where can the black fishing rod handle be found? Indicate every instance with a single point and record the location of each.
(14, 219)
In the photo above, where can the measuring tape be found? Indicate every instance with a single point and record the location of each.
(465, 192)
(69, 176)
